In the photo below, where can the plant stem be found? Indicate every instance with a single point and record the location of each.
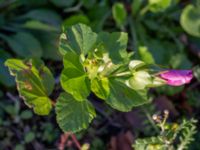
(150, 120)
(122, 74)
(133, 34)
(78, 145)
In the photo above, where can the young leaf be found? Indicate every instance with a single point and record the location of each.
(123, 98)
(100, 87)
(145, 55)
(73, 78)
(78, 38)
(73, 115)
(119, 13)
(34, 83)
(159, 5)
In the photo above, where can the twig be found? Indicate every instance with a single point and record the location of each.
(63, 140)
(76, 142)
(12, 97)
(65, 137)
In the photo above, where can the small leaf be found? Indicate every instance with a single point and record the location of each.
(119, 13)
(190, 20)
(100, 87)
(159, 5)
(78, 38)
(73, 78)
(123, 98)
(37, 25)
(135, 6)
(30, 136)
(26, 114)
(73, 115)
(145, 55)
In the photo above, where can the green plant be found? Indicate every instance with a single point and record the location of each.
(97, 63)
(172, 135)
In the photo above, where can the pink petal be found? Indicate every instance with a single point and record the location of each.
(177, 77)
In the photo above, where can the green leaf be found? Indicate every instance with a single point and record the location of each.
(49, 42)
(145, 55)
(140, 80)
(19, 147)
(34, 82)
(24, 44)
(115, 44)
(47, 16)
(73, 115)
(190, 20)
(156, 143)
(30, 136)
(100, 87)
(63, 3)
(26, 114)
(5, 78)
(159, 5)
(119, 13)
(73, 78)
(15, 66)
(37, 25)
(135, 6)
(72, 20)
(123, 98)
(78, 38)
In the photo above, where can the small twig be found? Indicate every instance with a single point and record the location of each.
(12, 97)
(65, 137)
(73, 9)
(63, 140)
(76, 142)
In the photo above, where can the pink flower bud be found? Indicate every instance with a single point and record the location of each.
(176, 77)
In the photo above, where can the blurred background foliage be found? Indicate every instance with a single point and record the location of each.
(165, 32)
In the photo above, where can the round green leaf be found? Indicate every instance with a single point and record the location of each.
(190, 20)
(73, 115)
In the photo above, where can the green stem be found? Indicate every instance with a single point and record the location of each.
(133, 34)
(144, 10)
(150, 120)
